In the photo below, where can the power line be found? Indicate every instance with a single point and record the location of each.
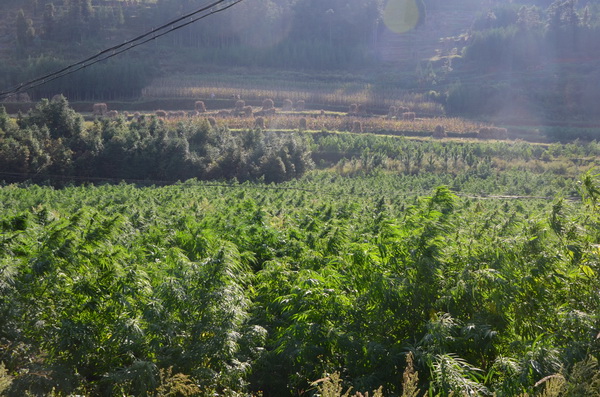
(125, 46)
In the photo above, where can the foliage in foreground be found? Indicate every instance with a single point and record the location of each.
(122, 290)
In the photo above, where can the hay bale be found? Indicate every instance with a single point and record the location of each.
(492, 133)
(392, 112)
(300, 104)
(409, 116)
(239, 105)
(248, 111)
(303, 123)
(99, 109)
(268, 104)
(288, 105)
(501, 133)
(439, 132)
(485, 133)
(23, 97)
(200, 107)
(259, 122)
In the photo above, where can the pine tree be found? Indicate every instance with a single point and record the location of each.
(21, 29)
(49, 21)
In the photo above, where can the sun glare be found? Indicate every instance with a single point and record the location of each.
(401, 16)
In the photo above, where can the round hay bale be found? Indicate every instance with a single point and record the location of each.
(99, 109)
(268, 104)
(392, 112)
(287, 105)
(303, 123)
(409, 116)
(200, 107)
(485, 133)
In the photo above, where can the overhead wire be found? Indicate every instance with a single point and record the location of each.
(123, 47)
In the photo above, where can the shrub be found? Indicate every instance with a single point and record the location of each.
(161, 113)
(248, 111)
(239, 105)
(357, 126)
(439, 132)
(287, 105)
(212, 121)
(99, 109)
(300, 104)
(200, 107)
(223, 113)
(353, 109)
(259, 122)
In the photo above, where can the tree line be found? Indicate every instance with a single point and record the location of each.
(52, 140)
(543, 59)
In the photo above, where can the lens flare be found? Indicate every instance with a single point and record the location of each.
(401, 16)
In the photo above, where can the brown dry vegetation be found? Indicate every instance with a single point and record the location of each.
(344, 123)
(317, 96)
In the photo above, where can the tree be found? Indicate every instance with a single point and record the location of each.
(49, 21)
(25, 30)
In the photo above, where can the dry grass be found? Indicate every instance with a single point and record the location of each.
(317, 95)
(336, 122)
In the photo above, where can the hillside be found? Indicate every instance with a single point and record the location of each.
(438, 35)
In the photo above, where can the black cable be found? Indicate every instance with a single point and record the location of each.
(154, 32)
